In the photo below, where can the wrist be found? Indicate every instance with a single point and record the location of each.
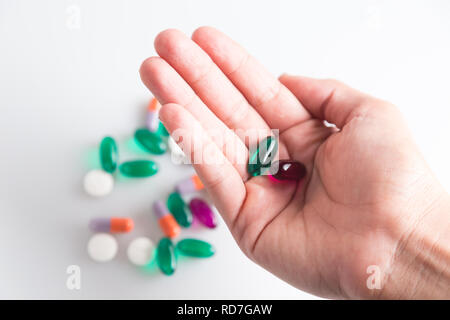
(420, 268)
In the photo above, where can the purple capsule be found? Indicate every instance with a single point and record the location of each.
(202, 211)
(189, 185)
(152, 120)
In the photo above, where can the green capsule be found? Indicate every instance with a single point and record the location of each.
(150, 141)
(108, 154)
(162, 131)
(263, 156)
(138, 168)
(165, 256)
(195, 248)
(179, 210)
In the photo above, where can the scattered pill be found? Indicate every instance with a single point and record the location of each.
(138, 168)
(195, 248)
(108, 154)
(203, 212)
(166, 221)
(150, 141)
(98, 183)
(179, 209)
(189, 185)
(287, 170)
(113, 225)
(102, 247)
(177, 154)
(165, 256)
(141, 251)
(263, 156)
(162, 131)
(152, 115)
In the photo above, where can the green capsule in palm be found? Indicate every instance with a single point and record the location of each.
(262, 158)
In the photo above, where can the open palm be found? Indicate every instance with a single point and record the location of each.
(322, 233)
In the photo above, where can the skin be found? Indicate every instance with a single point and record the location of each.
(369, 198)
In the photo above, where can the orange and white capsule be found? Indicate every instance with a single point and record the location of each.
(189, 185)
(112, 225)
(152, 115)
(167, 222)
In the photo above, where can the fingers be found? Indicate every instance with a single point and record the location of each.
(167, 86)
(327, 100)
(216, 172)
(207, 80)
(277, 106)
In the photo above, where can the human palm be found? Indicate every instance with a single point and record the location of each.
(322, 233)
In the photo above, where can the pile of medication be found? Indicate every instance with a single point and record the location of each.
(172, 214)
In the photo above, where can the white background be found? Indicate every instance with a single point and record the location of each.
(62, 89)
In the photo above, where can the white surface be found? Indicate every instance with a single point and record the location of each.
(98, 183)
(63, 88)
(102, 247)
(141, 251)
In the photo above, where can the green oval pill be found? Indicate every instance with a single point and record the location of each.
(179, 210)
(165, 256)
(138, 168)
(195, 248)
(150, 141)
(263, 156)
(108, 154)
(162, 131)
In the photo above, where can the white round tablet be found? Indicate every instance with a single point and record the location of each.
(102, 247)
(141, 251)
(177, 154)
(98, 183)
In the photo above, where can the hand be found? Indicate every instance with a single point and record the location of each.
(368, 194)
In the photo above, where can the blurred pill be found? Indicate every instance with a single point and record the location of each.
(113, 225)
(141, 251)
(189, 185)
(102, 247)
(98, 183)
(203, 212)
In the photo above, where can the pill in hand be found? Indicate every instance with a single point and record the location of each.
(263, 156)
(288, 170)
